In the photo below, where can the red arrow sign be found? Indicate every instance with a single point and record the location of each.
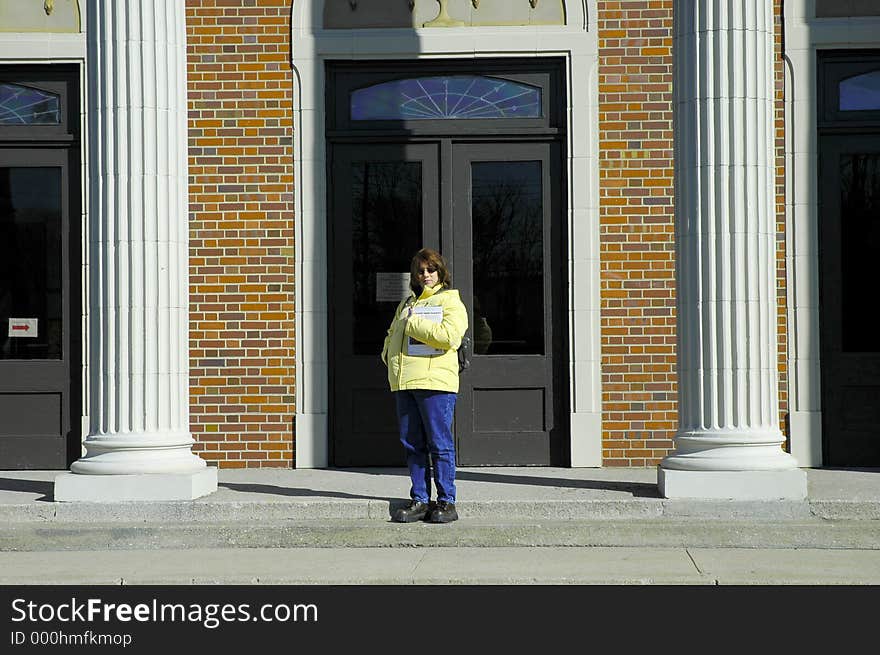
(21, 327)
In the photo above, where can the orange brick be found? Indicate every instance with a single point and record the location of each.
(223, 283)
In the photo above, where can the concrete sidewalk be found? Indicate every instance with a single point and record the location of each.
(483, 493)
(518, 525)
(432, 566)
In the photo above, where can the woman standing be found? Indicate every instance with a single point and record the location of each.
(420, 353)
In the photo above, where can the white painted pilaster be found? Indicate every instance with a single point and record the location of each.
(729, 440)
(805, 37)
(139, 444)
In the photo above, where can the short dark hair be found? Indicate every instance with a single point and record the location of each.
(432, 259)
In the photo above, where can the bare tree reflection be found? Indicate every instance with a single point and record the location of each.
(508, 246)
(386, 231)
(860, 245)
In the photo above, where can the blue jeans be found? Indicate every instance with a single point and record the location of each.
(425, 421)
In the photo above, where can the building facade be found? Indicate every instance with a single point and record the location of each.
(657, 211)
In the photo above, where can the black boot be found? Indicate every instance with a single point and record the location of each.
(415, 511)
(444, 513)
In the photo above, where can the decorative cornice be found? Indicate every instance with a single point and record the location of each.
(409, 14)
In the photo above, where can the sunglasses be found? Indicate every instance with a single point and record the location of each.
(429, 269)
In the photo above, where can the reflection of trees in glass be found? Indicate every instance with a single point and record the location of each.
(508, 251)
(386, 231)
(22, 105)
(860, 246)
(860, 92)
(31, 277)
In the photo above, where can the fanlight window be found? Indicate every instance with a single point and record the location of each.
(445, 98)
(860, 93)
(23, 105)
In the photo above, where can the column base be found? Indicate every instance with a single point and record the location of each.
(788, 484)
(141, 487)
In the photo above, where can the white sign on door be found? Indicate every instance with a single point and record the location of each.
(22, 327)
(392, 287)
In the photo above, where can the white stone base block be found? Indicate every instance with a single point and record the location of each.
(145, 487)
(806, 438)
(586, 440)
(789, 484)
(311, 441)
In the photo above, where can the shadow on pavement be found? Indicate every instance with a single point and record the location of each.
(637, 489)
(275, 490)
(45, 487)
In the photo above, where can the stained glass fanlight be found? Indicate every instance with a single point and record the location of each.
(446, 97)
(861, 92)
(24, 105)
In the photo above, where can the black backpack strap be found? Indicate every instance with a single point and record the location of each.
(464, 352)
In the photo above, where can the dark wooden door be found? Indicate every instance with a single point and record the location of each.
(508, 266)
(37, 352)
(385, 206)
(493, 209)
(849, 250)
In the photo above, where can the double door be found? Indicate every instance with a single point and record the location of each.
(849, 249)
(494, 211)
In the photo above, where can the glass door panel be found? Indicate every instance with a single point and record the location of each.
(507, 214)
(31, 263)
(386, 229)
(860, 247)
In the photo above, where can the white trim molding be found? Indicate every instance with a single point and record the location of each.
(576, 42)
(805, 35)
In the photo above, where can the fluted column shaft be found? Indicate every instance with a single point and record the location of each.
(138, 252)
(725, 235)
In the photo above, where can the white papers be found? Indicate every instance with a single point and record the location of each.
(417, 348)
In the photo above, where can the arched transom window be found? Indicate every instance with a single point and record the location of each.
(446, 97)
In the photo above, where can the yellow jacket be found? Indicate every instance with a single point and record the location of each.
(434, 372)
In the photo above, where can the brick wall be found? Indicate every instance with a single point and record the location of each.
(639, 409)
(241, 232)
(241, 217)
(639, 404)
(781, 278)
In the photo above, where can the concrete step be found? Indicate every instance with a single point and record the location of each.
(467, 532)
(257, 512)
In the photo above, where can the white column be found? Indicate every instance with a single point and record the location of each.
(729, 442)
(139, 444)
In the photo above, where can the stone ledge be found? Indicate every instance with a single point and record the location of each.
(787, 484)
(77, 487)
